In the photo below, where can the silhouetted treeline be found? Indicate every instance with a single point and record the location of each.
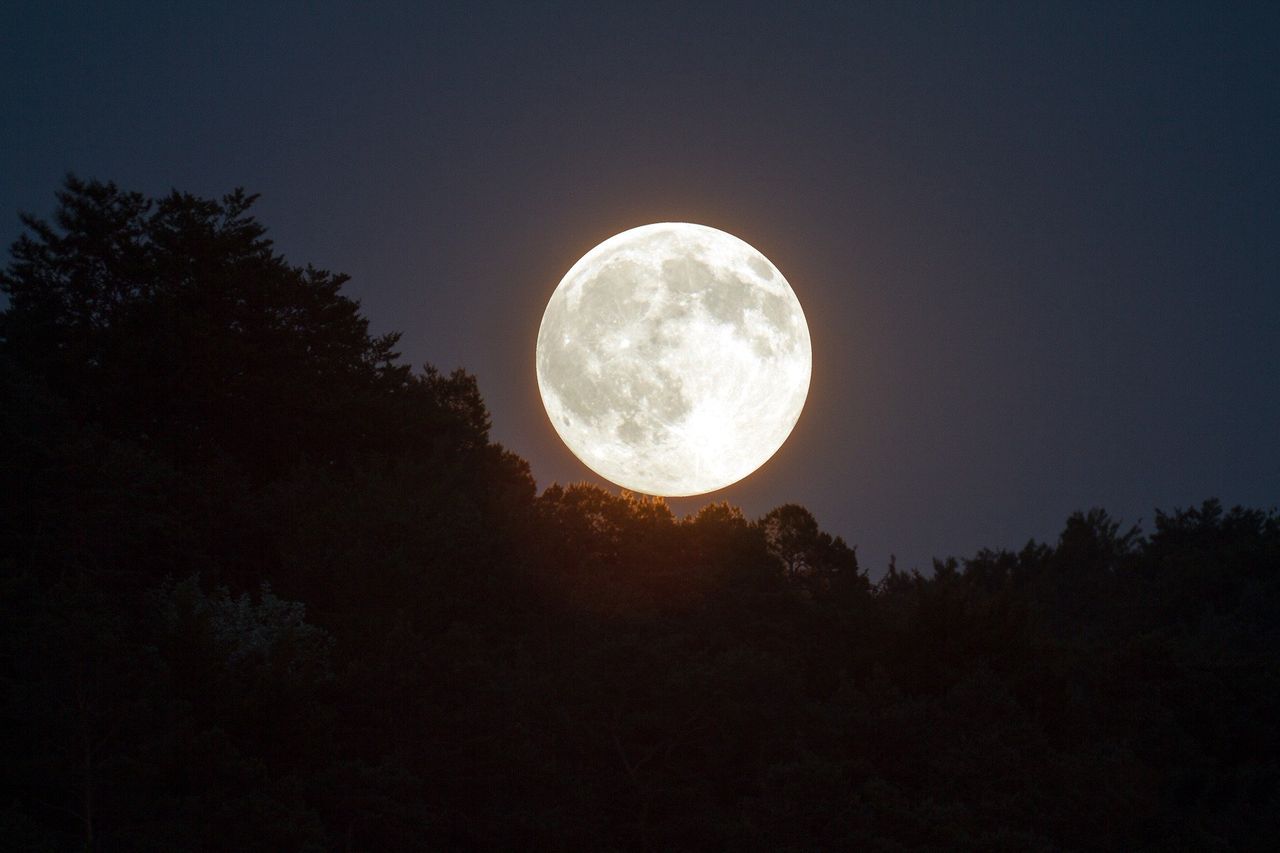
(266, 588)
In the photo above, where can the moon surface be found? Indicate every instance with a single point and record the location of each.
(673, 359)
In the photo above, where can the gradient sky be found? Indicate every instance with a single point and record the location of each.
(1037, 243)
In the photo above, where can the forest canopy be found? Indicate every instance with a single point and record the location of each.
(266, 587)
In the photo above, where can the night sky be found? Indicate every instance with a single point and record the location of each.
(1037, 244)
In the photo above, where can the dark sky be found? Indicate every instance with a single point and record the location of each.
(1037, 244)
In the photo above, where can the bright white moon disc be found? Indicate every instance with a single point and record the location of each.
(673, 359)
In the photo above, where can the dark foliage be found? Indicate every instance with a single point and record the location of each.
(265, 588)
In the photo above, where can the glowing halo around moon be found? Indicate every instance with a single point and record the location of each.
(673, 359)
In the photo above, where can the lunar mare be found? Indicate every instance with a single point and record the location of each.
(673, 359)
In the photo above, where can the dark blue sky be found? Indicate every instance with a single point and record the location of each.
(1037, 243)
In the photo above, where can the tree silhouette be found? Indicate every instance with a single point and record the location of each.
(263, 587)
(172, 322)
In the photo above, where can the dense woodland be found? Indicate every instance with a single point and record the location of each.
(267, 588)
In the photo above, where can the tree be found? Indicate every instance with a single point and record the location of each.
(807, 552)
(173, 322)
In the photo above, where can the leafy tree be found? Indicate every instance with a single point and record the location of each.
(810, 556)
(172, 322)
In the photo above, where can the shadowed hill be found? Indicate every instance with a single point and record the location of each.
(266, 588)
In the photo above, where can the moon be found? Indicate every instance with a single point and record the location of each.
(673, 359)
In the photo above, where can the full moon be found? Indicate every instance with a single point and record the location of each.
(673, 359)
